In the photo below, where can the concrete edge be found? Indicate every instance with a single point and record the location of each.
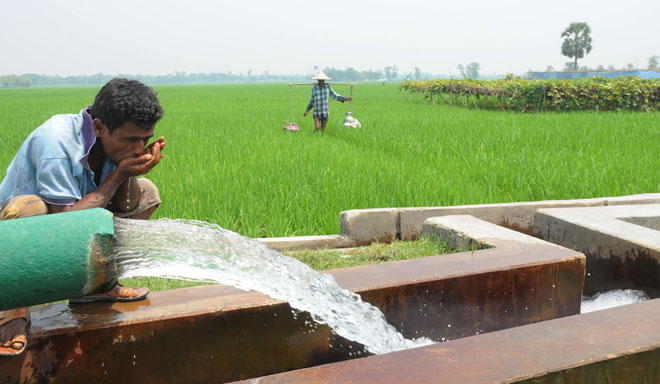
(469, 232)
(364, 226)
(406, 223)
(282, 244)
(620, 254)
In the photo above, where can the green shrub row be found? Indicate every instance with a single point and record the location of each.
(596, 93)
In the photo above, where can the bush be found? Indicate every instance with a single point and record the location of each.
(596, 93)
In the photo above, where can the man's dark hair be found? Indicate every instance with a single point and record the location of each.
(123, 100)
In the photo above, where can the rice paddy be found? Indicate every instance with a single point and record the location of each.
(229, 162)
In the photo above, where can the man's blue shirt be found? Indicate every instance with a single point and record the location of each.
(52, 162)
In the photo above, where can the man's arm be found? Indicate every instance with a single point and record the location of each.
(97, 199)
(339, 97)
(129, 167)
(310, 105)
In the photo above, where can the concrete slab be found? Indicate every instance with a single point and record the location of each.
(365, 225)
(295, 243)
(619, 345)
(468, 232)
(622, 243)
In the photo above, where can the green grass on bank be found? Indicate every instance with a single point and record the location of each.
(229, 162)
(323, 259)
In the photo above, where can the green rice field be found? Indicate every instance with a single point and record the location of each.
(229, 162)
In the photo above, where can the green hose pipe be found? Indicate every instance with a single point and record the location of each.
(55, 257)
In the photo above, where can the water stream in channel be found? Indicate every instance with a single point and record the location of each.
(200, 251)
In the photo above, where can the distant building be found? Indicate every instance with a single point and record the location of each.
(568, 75)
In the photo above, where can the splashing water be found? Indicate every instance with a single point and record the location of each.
(200, 251)
(611, 299)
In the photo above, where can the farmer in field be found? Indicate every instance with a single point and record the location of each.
(319, 101)
(84, 161)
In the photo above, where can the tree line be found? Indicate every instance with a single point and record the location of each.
(175, 78)
(13, 81)
(389, 73)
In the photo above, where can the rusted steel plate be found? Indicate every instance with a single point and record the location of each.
(190, 335)
(220, 334)
(619, 345)
(460, 295)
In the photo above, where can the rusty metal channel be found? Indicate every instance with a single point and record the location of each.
(220, 334)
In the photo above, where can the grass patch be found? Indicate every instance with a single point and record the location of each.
(322, 259)
(159, 283)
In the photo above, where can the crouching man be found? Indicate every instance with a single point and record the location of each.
(84, 161)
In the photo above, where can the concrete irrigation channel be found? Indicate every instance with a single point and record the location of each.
(507, 310)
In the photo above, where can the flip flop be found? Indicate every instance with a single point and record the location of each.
(20, 340)
(141, 294)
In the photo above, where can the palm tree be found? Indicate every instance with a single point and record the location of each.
(577, 41)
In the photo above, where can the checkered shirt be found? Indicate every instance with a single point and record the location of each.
(319, 100)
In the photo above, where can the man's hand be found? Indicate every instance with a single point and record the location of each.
(160, 140)
(141, 165)
(305, 114)
(350, 98)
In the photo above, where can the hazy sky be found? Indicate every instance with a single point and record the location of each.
(292, 36)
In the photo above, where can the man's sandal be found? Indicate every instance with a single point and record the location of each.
(122, 295)
(19, 341)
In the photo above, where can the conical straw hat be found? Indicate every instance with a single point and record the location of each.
(321, 76)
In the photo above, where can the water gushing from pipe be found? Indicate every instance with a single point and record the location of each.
(200, 251)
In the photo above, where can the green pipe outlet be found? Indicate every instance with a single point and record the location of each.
(55, 257)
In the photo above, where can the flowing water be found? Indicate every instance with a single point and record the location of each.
(611, 299)
(200, 251)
